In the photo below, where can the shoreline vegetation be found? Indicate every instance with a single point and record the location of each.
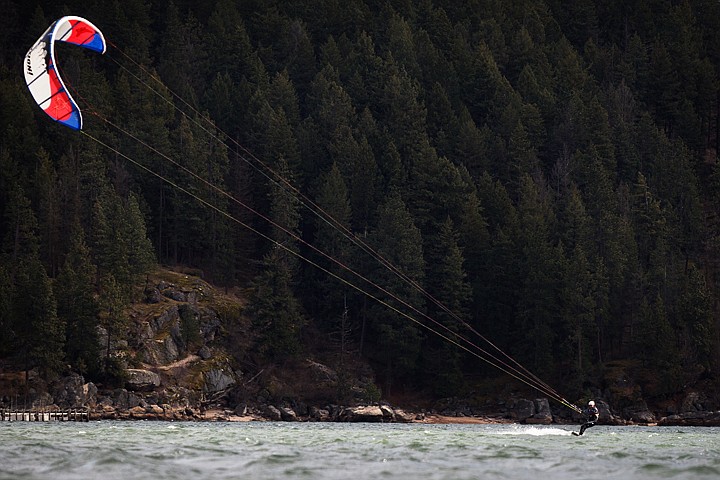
(174, 379)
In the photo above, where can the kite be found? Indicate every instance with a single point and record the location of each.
(41, 72)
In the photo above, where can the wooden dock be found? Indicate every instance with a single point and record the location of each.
(41, 415)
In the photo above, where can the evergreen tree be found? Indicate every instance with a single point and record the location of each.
(497, 293)
(32, 321)
(442, 121)
(184, 55)
(651, 230)
(699, 333)
(404, 115)
(538, 299)
(331, 118)
(48, 211)
(141, 256)
(579, 314)
(394, 340)
(114, 323)
(447, 283)
(275, 310)
(333, 200)
(6, 320)
(77, 306)
(40, 334)
(473, 147)
(109, 243)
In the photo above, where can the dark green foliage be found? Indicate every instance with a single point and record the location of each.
(394, 339)
(275, 311)
(39, 333)
(546, 170)
(274, 308)
(77, 306)
(447, 280)
(114, 322)
(330, 293)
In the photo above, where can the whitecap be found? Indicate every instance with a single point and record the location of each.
(534, 431)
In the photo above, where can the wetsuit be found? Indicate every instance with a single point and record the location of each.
(592, 415)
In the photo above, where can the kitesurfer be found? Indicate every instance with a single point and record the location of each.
(592, 415)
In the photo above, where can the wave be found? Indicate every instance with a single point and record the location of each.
(533, 431)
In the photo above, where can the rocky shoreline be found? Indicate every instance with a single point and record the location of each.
(146, 400)
(370, 414)
(522, 411)
(169, 375)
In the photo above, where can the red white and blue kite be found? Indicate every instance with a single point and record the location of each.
(41, 74)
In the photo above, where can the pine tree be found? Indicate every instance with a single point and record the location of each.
(77, 306)
(496, 293)
(699, 332)
(7, 293)
(394, 340)
(109, 243)
(331, 118)
(442, 121)
(48, 211)
(114, 323)
(40, 333)
(333, 200)
(184, 55)
(404, 115)
(538, 302)
(447, 282)
(579, 312)
(275, 310)
(34, 327)
(141, 257)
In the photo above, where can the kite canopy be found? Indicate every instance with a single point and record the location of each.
(41, 73)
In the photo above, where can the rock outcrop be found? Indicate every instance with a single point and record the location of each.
(139, 380)
(692, 419)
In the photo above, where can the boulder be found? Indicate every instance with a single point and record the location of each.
(388, 412)
(218, 379)
(121, 399)
(322, 373)
(174, 294)
(169, 316)
(401, 416)
(542, 415)
(287, 414)
(319, 414)
(371, 413)
(152, 296)
(639, 413)
(522, 409)
(272, 413)
(692, 419)
(141, 380)
(155, 410)
(72, 391)
(137, 412)
(691, 403)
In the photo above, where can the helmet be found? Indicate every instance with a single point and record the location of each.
(591, 403)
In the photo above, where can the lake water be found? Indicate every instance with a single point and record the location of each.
(264, 451)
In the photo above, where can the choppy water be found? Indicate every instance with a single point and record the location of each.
(160, 450)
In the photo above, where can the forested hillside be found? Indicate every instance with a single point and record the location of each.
(546, 170)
